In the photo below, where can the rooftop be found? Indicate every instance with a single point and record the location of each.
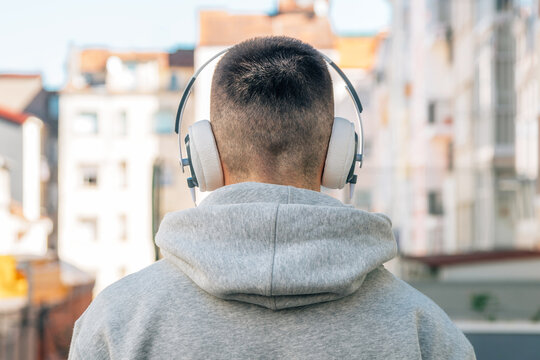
(19, 76)
(131, 70)
(95, 60)
(13, 116)
(19, 91)
(216, 29)
(181, 58)
(220, 28)
(475, 257)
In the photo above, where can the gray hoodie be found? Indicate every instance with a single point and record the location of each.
(261, 271)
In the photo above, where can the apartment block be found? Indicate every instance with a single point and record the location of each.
(456, 99)
(412, 114)
(489, 192)
(527, 149)
(25, 94)
(118, 158)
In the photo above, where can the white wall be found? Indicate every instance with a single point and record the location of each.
(24, 233)
(108, 257)
(11, 145)
(19, 236)
(201, 89)
(32, 128)
(7, 228)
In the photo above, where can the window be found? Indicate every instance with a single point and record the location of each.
(52, 106)
(87, 229)
(164, 122)
(504, 5)
(85, 123)
(120, 124)
(94, 79)
(504, 85)
(450, 156)
(435, 203)
(432, 112)
(443, 11)
(89, 175)
(449, 37)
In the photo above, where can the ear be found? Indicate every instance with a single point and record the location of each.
(204, 156)
(340, 155)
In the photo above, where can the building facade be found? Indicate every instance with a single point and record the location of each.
(24, 228)
(493, 107)
(24, 93)
(118, 167)
(457, 110)
(414, 122)
(527, 81)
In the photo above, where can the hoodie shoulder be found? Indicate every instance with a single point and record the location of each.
(385, 217)
(124, 310)
(438, 337)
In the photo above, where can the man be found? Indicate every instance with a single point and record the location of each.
(267, 266)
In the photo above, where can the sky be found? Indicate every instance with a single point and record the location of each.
(35, 35)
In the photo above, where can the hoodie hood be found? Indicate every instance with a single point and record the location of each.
(276, 246)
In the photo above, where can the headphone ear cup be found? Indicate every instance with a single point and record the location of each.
(204, 156)
(340, 154)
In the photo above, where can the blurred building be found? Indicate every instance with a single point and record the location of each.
(40, 299)
(527, 80)
(491, 296)
(23, 227)
(24, 93)
(463, 151)
(118, 166)
(486, 195)
(494, 104)
(412, 101)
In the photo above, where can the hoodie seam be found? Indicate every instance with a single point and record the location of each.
(274, 258)
(289, 195)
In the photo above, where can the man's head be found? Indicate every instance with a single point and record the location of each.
(272, 111)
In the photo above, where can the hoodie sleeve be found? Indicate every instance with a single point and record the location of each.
(439, 338)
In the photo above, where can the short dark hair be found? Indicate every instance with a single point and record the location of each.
(272, 107)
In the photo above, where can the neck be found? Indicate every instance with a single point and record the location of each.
(298, 183)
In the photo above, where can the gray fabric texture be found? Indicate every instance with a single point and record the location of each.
(262, 271)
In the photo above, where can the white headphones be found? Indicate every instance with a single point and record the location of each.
(203, 156)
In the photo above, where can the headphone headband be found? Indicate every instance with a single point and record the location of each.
(189, 86)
